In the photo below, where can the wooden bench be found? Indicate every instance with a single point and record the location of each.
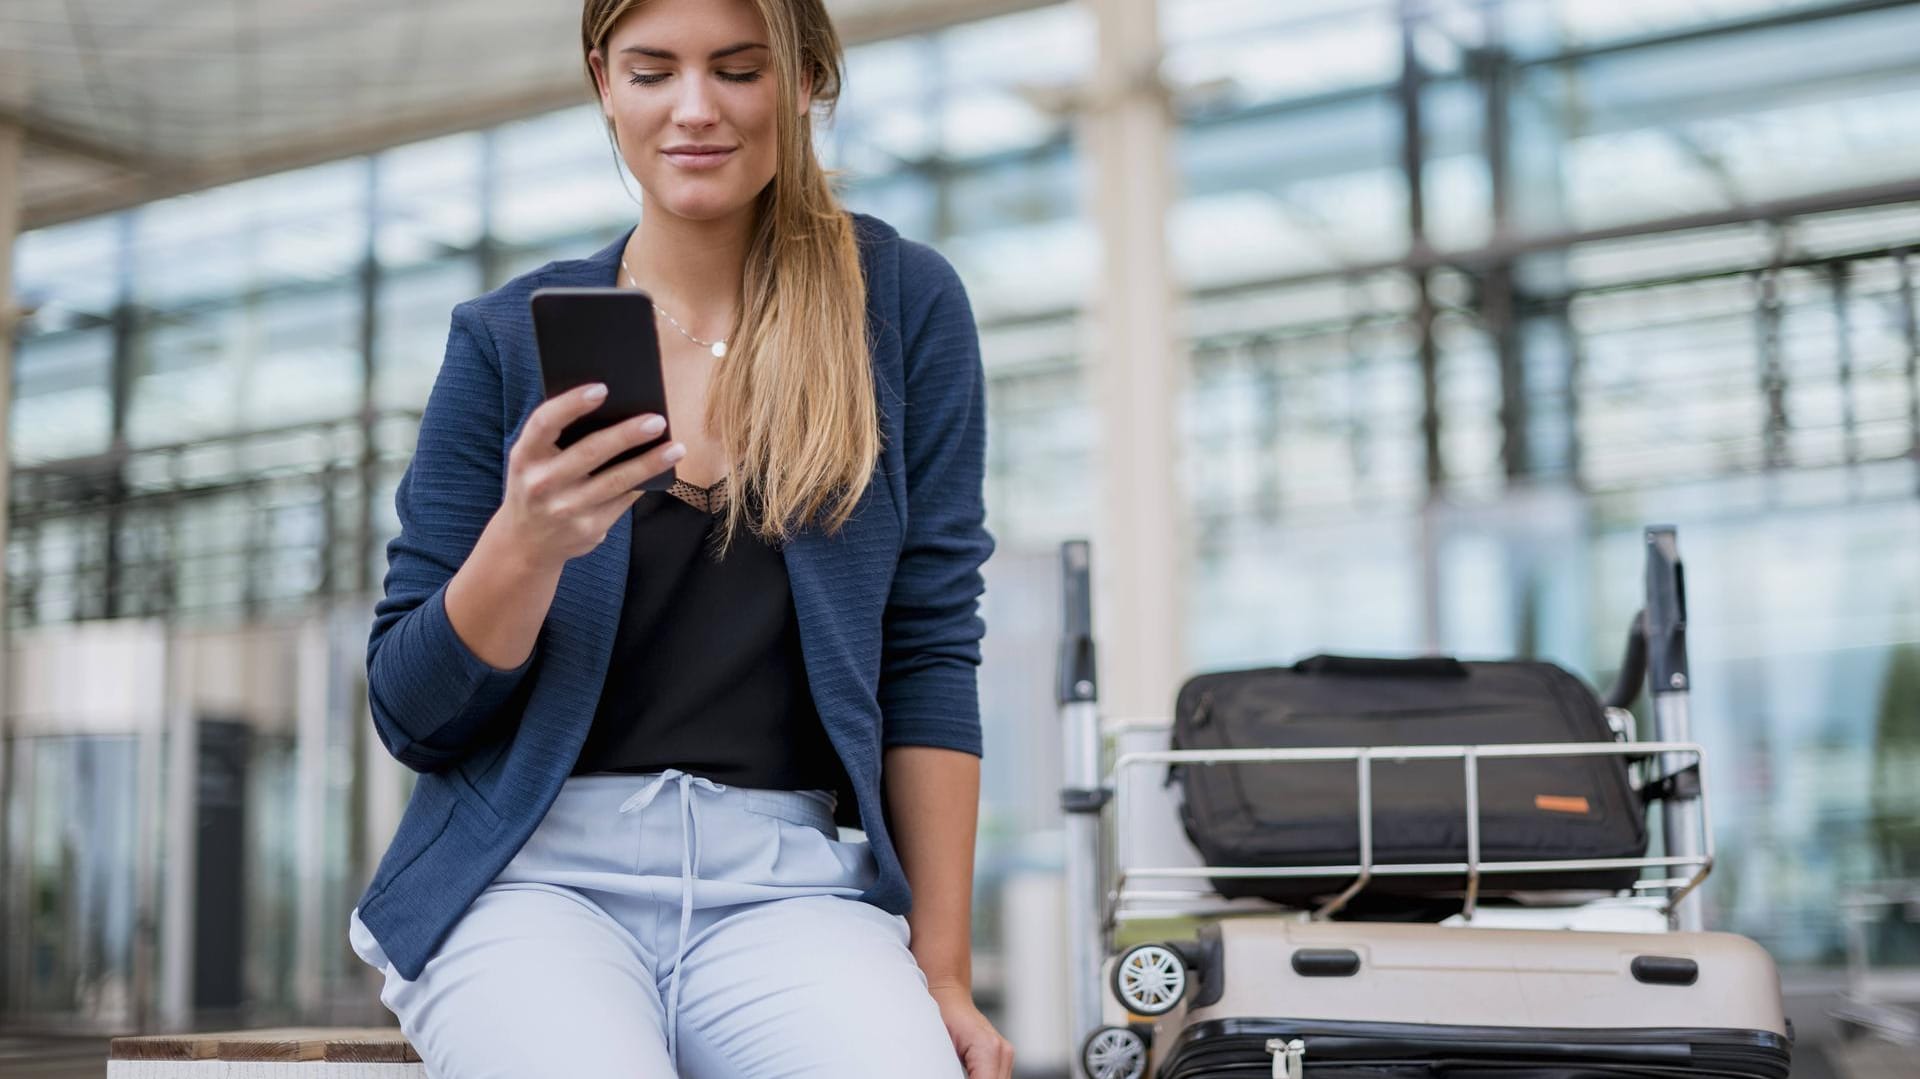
(292, 1052)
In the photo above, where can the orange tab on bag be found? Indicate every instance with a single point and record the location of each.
(1557, 803)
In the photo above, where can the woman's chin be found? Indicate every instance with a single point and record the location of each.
(701, 202)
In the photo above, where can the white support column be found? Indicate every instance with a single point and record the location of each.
(313, 686)
(12, 147)
(1136, 360)
(151, 833)
(182, 764)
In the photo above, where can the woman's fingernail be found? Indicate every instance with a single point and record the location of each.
(675, 452)
(595, 391)
(652, 425)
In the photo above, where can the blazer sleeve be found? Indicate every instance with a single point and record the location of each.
(930, 653)
(432, 699)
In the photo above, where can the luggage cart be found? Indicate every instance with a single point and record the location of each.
(1293, 988)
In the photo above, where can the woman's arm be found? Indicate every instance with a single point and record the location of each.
(499, 599)
(933, 798)
(930, 652)
(473, 570)
(930, 646)
(554, 510)
(430, 695)
(928, 692)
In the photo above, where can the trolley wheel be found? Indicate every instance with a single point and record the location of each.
(1114, 1053)
(1150, 979)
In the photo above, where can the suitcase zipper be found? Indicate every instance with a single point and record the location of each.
(1222, 1047)
(1289, 1058)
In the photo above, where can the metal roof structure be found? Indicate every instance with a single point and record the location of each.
(125, 103)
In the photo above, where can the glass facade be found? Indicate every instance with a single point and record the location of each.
(1647, 264)
(76, 932)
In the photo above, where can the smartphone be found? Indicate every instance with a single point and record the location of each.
(603, 335)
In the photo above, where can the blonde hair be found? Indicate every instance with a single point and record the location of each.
(793, 402)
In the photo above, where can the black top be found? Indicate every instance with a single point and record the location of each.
(706, 674)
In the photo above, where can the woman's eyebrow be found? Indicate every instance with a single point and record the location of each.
(668, 54)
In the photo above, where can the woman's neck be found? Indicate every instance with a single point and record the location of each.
(693, 268)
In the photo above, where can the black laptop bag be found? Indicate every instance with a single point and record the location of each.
(1305, 814)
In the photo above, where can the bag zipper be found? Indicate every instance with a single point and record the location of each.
(1289, 1058)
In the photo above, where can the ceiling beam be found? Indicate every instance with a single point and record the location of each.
(141, 179)
(877, 20)
(169, 178)
(48, 135)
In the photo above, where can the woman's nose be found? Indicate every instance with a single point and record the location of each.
(694, 107)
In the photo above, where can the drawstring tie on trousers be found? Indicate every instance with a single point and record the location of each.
(689, 870)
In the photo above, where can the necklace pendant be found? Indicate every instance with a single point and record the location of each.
(719, 350)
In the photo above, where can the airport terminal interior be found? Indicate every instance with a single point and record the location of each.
(1346, 326)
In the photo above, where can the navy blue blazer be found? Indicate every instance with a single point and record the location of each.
(887, 608)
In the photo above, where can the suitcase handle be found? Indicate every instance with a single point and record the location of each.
(1376, 667)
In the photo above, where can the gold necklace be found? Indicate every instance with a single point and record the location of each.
(718, 348)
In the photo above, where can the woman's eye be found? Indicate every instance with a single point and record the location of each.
(650, 78)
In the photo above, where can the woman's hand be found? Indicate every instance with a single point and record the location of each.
(553, 509)
(983, 1052)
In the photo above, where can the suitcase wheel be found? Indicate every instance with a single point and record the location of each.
(1114, 1053)
(1150, 979)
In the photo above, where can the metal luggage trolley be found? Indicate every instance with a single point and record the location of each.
(1115, 999)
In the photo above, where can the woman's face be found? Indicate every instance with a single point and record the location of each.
(689, 86)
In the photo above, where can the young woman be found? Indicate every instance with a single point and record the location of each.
(637, 717)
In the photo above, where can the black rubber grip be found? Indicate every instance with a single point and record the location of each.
(1076, 800)
(1326, 962)
(1665, 970)
(1379, 667)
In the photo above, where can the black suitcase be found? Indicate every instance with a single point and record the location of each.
(1306, 814)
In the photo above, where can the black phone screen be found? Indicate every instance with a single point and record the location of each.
(603, 335)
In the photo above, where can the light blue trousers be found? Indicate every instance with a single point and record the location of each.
(664, 925)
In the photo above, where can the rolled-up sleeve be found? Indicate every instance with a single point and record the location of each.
(930, 656)
(431, 697)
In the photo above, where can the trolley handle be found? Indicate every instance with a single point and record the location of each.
(1076, 678)
(1666, 614)
(1633, 665)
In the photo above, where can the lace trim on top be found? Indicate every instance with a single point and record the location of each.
(705, 499)
(712, 501)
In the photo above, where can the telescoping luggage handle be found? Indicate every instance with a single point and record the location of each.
(1669, 682)
(1076, 683)
(1075, 679)
(1082, 794)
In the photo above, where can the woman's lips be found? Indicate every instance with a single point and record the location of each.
(703, 159)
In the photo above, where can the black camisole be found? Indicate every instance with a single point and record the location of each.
(706, 673)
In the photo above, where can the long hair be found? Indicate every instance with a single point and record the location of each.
(793, 401)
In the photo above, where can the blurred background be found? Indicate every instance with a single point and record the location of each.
(1362, 325)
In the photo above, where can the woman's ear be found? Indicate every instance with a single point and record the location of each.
(806, 92)
(597, 61)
